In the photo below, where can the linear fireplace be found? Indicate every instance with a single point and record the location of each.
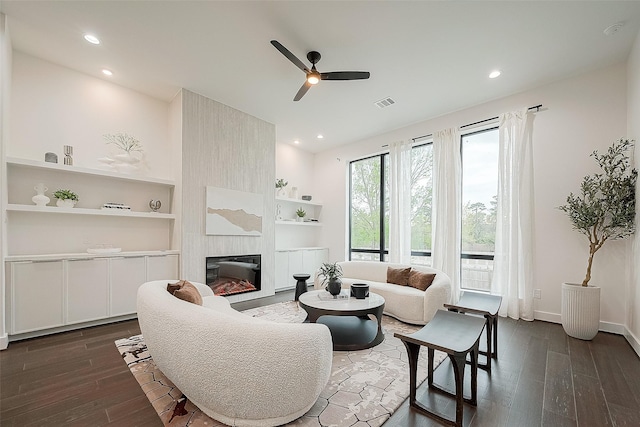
(231, 275)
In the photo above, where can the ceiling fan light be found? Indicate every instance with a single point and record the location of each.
(313, 78)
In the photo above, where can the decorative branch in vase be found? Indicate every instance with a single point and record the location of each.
(126, 161)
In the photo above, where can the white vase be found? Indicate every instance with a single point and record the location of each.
(66, 203)
(300, 219)
(580, 310)
(281, 192)
(40, 199)
(293, 194)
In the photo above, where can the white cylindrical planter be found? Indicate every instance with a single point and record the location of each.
(580, 310)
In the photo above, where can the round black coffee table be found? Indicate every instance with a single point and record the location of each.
(347, 318)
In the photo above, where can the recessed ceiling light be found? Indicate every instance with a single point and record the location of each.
(91, 39)
(107, 72)
(296, 142)
(494, 74)
(320, 136)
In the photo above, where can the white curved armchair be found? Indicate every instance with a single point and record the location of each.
(239, 370)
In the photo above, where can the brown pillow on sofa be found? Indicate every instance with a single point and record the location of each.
(420, 280)
(398, 276)
(186, 291)
(172, 287)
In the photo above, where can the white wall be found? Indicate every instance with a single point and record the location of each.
(54, 106)
(633, 131)
(580, 114)
(5, 90)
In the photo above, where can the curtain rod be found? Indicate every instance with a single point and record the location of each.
(535, 107)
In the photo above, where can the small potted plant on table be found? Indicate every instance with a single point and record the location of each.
(331, 273)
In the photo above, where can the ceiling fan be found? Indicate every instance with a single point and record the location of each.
(313, 75)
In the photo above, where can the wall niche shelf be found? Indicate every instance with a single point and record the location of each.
(84, 211)
(309, 223)
(298, 201)
(24, 163)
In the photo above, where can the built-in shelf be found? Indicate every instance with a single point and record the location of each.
(298, 201)
(84, 211)
(86, 255)
(86, 171)
(310, 223)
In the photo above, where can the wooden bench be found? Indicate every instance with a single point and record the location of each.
(485, 305)
(457, 335)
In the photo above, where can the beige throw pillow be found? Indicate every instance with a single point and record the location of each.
(398, 276)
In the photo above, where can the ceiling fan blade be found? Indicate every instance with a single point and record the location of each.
(305, 87)
(345, 75)
(290, 56)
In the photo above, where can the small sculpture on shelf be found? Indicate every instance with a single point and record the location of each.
(66, 198)
(155, 205)
(132, 153)
(68, 152)
(40, 199)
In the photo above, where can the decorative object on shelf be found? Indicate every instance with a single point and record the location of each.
(293, 193)
(306, 198)
(300, 213)
(68, 152)
(155, 205)
(331, 274)
(280, 184)
(51, 157)
(40, 199)
(120, 206)
(132, 153)
(604, 210)
(278, 212)
(66, 198)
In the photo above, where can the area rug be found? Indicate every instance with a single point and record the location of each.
(364, 389)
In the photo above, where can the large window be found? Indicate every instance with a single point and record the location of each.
(369, 213)
(479, 203)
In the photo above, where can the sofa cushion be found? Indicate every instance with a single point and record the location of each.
(420, 280)
(398, 276)
(186, 292)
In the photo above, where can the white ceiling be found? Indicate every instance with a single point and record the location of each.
(430, 57)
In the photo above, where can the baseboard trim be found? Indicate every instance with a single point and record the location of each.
(4, 342)
(633, 341)
(613, 328)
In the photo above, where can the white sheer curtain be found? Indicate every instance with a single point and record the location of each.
(513, 261)
(447, 206)
(400, 202)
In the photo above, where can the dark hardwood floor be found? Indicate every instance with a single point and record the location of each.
(541, 378)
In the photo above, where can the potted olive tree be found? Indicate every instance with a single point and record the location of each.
(331, 274)
(603, 210)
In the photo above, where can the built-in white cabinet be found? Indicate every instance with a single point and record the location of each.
(35, 295)
(298, 261)
(87, 290)
(162, 267)
(49, 292)
(127, 274)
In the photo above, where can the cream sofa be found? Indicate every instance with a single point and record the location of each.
(405, 303)
(239, 370)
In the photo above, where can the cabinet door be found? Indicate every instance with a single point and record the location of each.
(295, 266)
(283, 280)
(87, 290)
(36, 295)
(162, 267)
(126, 274)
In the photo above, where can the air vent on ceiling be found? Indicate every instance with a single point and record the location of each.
(384, 102)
